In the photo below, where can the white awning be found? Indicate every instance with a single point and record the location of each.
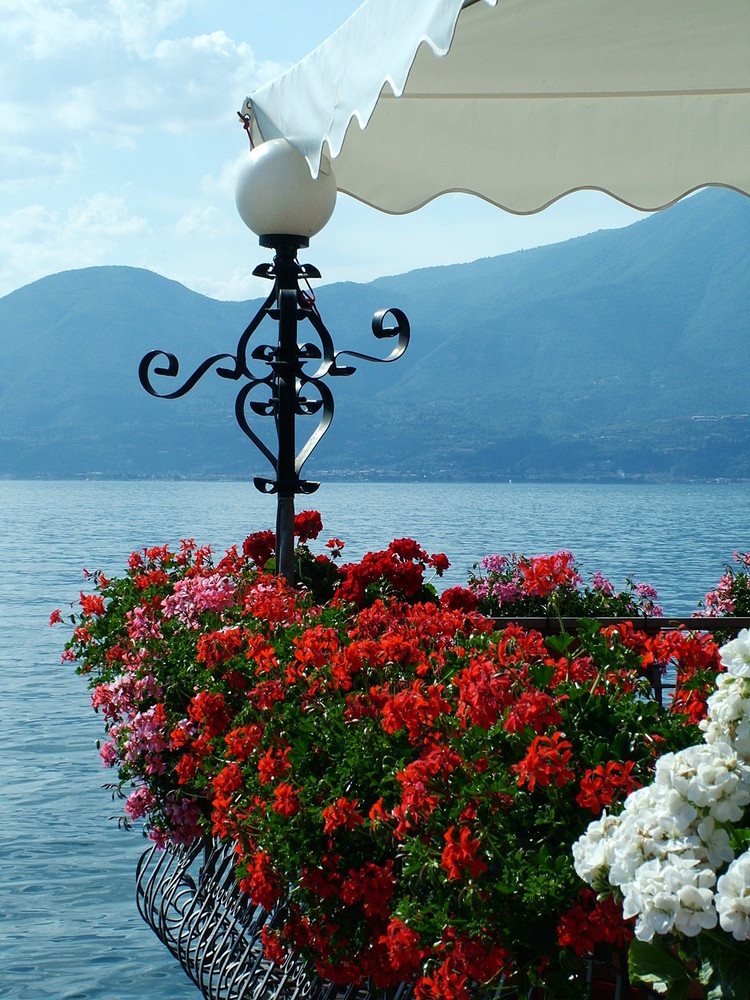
(523, 101)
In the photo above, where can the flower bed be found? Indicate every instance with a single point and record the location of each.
(405, 779)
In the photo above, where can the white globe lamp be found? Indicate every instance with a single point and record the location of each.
(277, 195)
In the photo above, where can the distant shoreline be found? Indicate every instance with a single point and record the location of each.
(354, 479)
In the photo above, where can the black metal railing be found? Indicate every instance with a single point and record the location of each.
(660, 683)
(550, 625)
(190, 898)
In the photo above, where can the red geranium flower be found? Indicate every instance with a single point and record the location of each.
(459, 856)
(286, 800)
(342, 814)
(260, 547)
(308, 524)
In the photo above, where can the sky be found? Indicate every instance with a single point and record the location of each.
(120, 142)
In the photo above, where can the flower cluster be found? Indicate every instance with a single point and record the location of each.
(553, 584)
(398, 570)
(732, 594)
(678, 854)
(399, 781)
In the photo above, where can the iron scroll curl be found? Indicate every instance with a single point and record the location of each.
(172, 370)
(402, 331)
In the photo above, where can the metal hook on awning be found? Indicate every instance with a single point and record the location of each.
(247, 116)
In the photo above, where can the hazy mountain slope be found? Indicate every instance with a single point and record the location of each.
(590, 358)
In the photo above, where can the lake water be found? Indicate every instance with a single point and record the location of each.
(69, 928)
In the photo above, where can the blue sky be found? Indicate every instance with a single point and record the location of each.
(120, 142)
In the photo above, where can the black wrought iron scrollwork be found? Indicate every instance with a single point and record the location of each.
(173, 369)
(401, 330)
(190, 898)
(292, 384)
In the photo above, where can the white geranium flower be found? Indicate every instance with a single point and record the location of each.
(733, 898)
(725, 705)
(672, 893)
(665, 848)
(728, 719)
(641, 800)
(696, 910)
(676, 771)
(670, 771)
(707, 777)
(716, 842)
(639, 835)
(677, 814)
(649, 809)
(679, 870)
(725, 777)
(735, 655)
(592, 852)
(626, 856)
(741, 735)
(731, 793)
(646, 899)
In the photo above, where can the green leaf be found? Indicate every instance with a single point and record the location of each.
(728, 962)
(654, 964)
(560, 643)
(541, 674)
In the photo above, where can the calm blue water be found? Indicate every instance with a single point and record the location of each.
(69, 927)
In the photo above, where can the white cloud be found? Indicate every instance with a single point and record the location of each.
(203, 220)
(138, 23)
(40, 30)
(24, 167)
(238, 285)
(221, 186)
(114, 73)
(15, 118)
(38, 240)
(126, 98)
(216, 46)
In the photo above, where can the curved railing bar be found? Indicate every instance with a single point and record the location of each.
(402, 330)
(326, 352)
(298, 308)
(216, 936)
(214, 931)
(326, 402)
(173, 368)
(268, 409)
(250, 329)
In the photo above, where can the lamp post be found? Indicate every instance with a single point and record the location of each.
(280, 201)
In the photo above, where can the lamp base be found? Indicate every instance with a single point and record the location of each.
(283, 241)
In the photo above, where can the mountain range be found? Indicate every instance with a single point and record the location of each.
(615, 356)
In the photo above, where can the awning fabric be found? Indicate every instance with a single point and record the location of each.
(523, 101)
